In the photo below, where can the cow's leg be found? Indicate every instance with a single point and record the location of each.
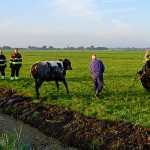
(65, 83)
(57, 85)
(38, 83)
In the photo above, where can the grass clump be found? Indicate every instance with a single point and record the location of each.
(9, 141)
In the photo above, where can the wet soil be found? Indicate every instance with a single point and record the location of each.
(31, 137)
(74, 129)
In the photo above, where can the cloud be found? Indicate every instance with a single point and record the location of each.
(115, 1)
(120, 25)
(118, 10)
(76, 5)
(85, 8)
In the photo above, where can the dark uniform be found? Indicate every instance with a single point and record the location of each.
(15, 65)
(2, 66)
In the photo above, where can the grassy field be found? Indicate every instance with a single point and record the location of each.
(117, 100)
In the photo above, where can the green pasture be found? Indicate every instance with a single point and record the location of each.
(117, 100)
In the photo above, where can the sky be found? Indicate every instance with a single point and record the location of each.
(75, 23)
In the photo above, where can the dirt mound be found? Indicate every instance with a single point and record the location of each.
(73, 129)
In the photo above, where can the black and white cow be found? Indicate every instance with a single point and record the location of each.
(50, 71)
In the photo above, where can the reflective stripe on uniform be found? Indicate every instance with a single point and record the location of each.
(16, 62)
(17, 58)
(2, 64)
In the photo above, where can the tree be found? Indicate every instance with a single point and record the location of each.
(6, 47)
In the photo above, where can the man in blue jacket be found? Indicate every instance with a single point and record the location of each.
(97, 69)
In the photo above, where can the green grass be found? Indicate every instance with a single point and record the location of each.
(9, 141)
(117, 100)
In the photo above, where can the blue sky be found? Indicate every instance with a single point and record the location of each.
(62, 23)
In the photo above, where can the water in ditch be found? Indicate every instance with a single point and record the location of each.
(30, 135)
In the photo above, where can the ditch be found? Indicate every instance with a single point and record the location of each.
(71, 128)
(30, 136)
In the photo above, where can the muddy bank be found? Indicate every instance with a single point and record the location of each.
(73, 129)
(31, 137)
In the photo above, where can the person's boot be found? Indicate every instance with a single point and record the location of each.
(97, 95)
(16, 78)
(12, 78)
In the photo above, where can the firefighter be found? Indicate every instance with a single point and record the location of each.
(2, 65)
(15, 64)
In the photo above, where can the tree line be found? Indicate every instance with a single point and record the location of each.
(53, 48)
(72, 48)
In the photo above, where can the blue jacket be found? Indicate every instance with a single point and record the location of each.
(97, 68)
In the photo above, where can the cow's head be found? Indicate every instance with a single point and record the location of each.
(67, 64)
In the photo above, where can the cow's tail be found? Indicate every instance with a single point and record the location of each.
(33, 72)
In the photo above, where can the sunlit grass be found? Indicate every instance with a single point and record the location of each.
(117, 100)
